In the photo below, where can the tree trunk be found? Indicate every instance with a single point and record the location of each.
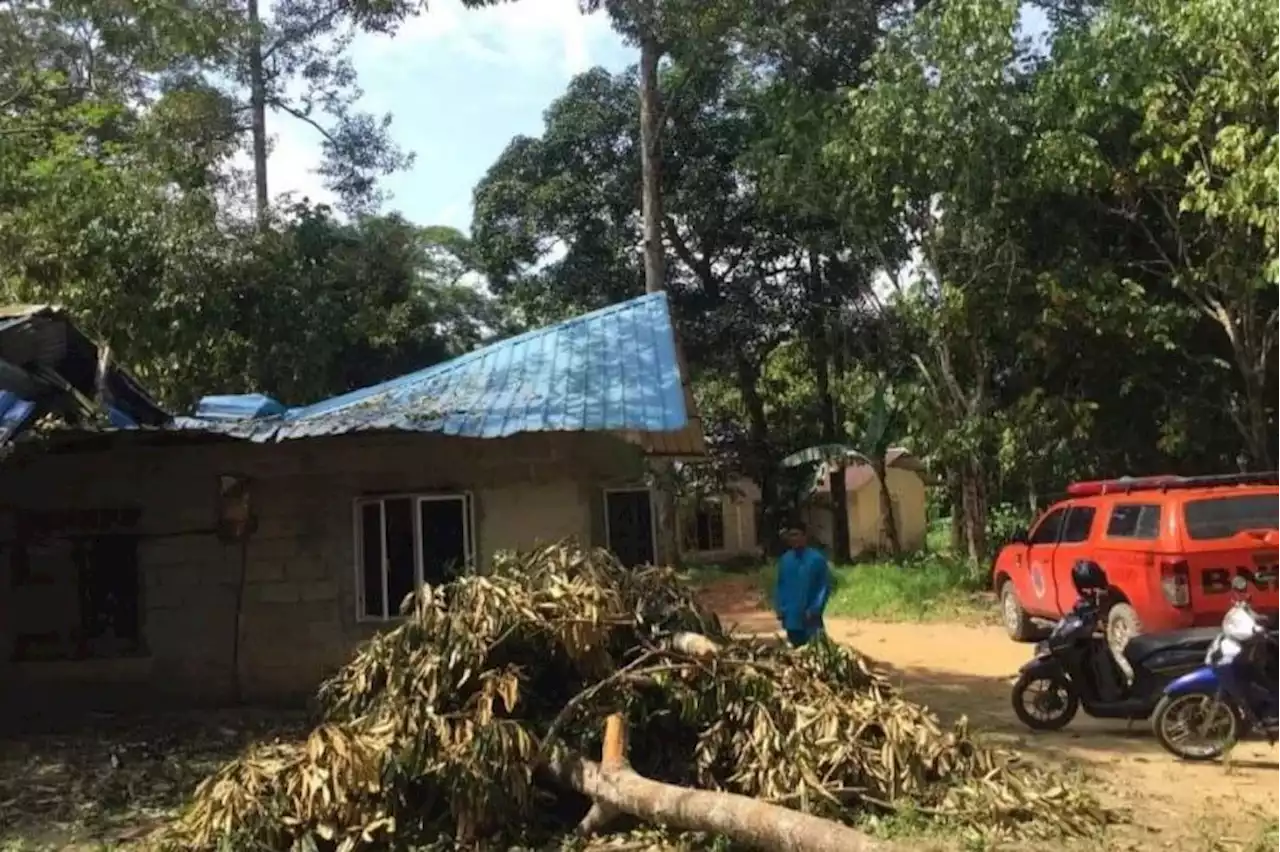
(956, 497)
(1254, 425)
(655, 262)
(651, 164)
(754, 823)
(1246, 325)
(888, 518)
(831, 435)
(974, 490)
(759, 464)
(258, 110)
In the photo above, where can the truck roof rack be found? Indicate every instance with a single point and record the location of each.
(1130, 484)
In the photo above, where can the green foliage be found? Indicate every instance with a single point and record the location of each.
(115, 201)
(1005, 521)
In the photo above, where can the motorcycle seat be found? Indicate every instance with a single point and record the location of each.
(1195, 639)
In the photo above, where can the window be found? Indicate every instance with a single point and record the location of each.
(1139, 521)
(1078, 526)
(1224, 517)
(704, 527)
(91, 605)
(406, 540)
(1046, 532)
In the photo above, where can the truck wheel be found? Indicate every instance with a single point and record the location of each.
(1122, 625)
(1016, 621)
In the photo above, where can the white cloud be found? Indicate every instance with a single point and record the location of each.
(527, 34)
(295, 154)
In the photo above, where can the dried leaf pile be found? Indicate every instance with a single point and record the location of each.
(437, 728)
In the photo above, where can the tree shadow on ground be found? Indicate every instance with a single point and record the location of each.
(986, 702)
(95, 778)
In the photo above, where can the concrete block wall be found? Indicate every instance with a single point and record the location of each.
(298, 618)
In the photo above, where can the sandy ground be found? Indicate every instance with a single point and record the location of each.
(968, 670)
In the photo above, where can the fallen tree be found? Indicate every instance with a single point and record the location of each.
(615, 788)
(472, 719)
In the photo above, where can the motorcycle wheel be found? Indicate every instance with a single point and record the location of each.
(1179, 718)
(1053, 698)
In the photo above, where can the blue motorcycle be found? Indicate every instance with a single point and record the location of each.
(1204, 713)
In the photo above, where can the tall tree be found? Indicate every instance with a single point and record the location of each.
(1194, 86)
(294, 62)
(941, 129)
(575, 191)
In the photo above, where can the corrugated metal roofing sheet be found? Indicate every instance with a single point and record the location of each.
(245, 406)
(615, 369)
(14, 414)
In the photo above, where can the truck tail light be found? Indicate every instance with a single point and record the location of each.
(1175, 582)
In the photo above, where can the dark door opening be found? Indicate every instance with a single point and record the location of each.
(446, 544)
(629, 526)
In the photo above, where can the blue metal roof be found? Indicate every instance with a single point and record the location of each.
(14, 414)
(244, 406)
(615, 369)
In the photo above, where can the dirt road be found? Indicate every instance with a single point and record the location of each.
(965, 670)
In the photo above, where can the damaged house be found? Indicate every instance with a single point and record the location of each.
(246, 549)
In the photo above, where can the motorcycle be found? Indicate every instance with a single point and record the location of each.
(1203, 714)
(1075, 667)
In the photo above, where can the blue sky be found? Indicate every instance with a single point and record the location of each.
(459, 84)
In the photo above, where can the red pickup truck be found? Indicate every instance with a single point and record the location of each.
(1170, 546)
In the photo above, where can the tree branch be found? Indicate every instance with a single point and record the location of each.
(305, 33)
(303, 117)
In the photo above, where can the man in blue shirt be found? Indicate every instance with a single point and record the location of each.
(804, 583)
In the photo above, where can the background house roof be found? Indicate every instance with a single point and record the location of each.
(857, 476)
(616, 370)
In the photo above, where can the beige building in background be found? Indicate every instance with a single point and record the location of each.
(722, 527)
(907, 489)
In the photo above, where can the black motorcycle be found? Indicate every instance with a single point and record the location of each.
(1075, 668)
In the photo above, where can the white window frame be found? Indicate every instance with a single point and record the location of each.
(390, 613)
(653, 515)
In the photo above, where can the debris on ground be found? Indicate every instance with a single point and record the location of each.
(444, 726)
(103, 777)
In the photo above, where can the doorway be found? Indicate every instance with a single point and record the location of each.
(628, 526)
(446, 537)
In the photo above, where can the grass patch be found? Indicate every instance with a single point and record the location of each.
(933, 585)
(926, 587)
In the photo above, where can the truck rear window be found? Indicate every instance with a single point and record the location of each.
(1135, 520)
(1223, 517)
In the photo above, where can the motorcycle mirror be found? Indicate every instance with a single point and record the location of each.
(1239, 585)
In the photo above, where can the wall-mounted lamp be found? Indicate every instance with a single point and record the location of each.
(235, 517)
